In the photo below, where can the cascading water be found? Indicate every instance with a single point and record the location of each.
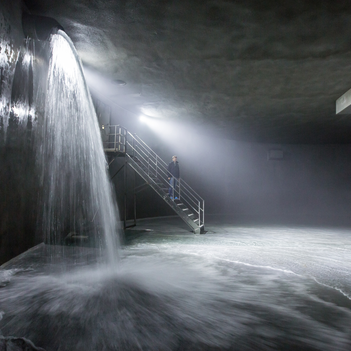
(77, 194)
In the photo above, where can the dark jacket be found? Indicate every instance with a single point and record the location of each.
(173, 169)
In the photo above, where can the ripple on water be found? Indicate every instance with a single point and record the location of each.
(155, 303)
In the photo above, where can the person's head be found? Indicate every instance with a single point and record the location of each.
(174, 158)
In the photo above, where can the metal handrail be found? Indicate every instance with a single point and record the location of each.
(192, 200)
(156, 167)
(196, 203)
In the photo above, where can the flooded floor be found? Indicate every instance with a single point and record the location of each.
(238, 287)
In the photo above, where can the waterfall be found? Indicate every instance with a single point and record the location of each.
(77, 194)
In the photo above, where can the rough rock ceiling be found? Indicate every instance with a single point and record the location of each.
(267, 71)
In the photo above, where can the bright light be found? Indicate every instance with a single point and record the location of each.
(151, 122)
(152, 110)
(143, 119)
(27, 59)
(20, 111)
(63, 58)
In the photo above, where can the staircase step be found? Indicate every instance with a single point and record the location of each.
(159, 184)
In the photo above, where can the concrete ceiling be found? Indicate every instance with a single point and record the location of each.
(266, 71)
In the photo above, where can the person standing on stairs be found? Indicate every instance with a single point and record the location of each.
(173, 176)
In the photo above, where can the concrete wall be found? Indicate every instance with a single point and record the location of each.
(310, 180)
(309, 184)
(18, 190)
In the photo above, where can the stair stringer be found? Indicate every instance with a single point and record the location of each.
(151, 182)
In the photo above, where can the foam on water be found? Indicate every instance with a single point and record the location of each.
(78, 199)
(181, 303)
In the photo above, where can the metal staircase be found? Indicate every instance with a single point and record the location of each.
(188, 205)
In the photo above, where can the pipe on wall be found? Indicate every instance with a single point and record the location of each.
(39, 27)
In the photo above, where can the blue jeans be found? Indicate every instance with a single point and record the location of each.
(172, 183)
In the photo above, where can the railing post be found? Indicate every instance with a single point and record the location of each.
(119, 140)
(199, 212)
(203, 212)
(179, 188)
(124, 141)
(115, 143)
(173, 187)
